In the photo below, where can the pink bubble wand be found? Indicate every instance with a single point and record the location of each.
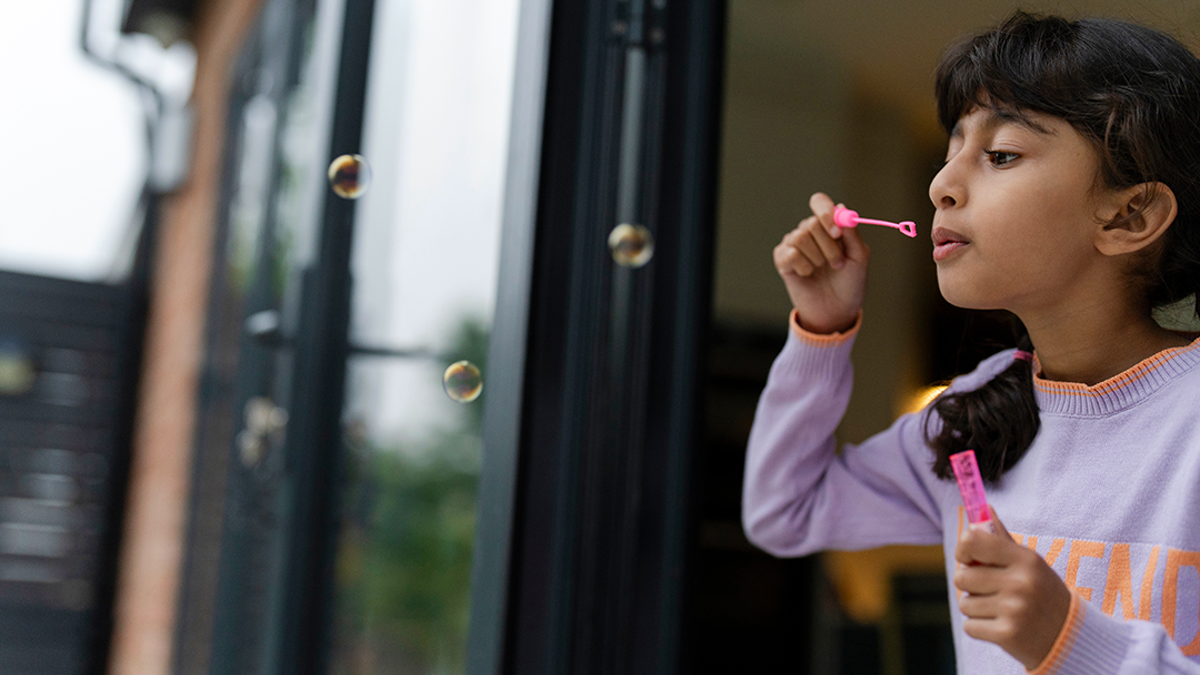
(844, 217)
(970, 486)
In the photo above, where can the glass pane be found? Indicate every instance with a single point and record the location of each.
(425, 265)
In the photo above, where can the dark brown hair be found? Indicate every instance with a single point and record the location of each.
(1131, 91)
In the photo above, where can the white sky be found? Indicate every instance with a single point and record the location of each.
(72, 147)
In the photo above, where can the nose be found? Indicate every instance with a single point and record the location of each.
(946, 189)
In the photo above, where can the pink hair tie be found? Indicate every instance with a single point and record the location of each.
(1023, 355)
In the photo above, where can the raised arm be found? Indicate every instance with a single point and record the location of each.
(799, 495)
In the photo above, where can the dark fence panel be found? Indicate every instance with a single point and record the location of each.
(68, 360)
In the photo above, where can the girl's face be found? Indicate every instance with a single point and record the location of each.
(1017, 209)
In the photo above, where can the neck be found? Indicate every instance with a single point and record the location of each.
(1096, 341)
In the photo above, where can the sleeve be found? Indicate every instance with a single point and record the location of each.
(1093, 643)
(799, 495)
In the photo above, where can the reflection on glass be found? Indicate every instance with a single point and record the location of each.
(404, 559)
(350, 176)
(631, 245)
(463, 382)
(404, 562)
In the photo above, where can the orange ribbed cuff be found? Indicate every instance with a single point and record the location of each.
(1065, 640)
(823, 340)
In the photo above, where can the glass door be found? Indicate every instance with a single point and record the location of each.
(339, 452)
(424, 269)
(452, 394)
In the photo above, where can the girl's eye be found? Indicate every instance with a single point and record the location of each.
(999, 157)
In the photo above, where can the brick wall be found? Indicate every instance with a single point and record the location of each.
(156, 514)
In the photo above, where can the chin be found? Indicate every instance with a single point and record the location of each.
(964, 295)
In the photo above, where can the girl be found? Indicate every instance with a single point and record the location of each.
(1070, 197)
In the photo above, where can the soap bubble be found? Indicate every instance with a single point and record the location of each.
(350, 176)
(631, 245)
(463, 382)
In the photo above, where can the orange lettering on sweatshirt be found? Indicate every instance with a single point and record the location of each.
(1119, 583)
(1148, 585)
(1175, 560)
(1081, 549)
(1056, 547)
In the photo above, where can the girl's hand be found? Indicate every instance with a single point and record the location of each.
(1011, 596)
(824, 269)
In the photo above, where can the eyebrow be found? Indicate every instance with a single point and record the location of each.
(997, 117)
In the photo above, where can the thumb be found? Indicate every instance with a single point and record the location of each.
(987, 543)
(997, 526)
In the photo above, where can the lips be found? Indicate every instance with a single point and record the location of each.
(946, 242)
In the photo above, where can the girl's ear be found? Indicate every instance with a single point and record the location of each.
(1142, 215)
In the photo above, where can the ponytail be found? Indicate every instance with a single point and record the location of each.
(998, 420)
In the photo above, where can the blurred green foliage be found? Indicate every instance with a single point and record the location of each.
(404, 559)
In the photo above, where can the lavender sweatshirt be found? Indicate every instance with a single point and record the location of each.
(1108, 494)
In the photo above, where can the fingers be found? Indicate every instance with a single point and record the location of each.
(789, 261)
(977, 546)
(822, 207)
(979, 580)
(979, 606)
(827, 246)
(983, 602)
(1024, 617)
(1011, 597)
(807, 249)
(817, 242)
(817, 246)
(991, 628)
(855, 248)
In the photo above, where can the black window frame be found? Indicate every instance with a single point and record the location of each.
(584, 518)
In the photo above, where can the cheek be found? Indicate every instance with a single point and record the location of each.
(1062, 194)
(1051, 220)
(1002, 269)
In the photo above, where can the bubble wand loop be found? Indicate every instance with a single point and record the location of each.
(844, 217)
